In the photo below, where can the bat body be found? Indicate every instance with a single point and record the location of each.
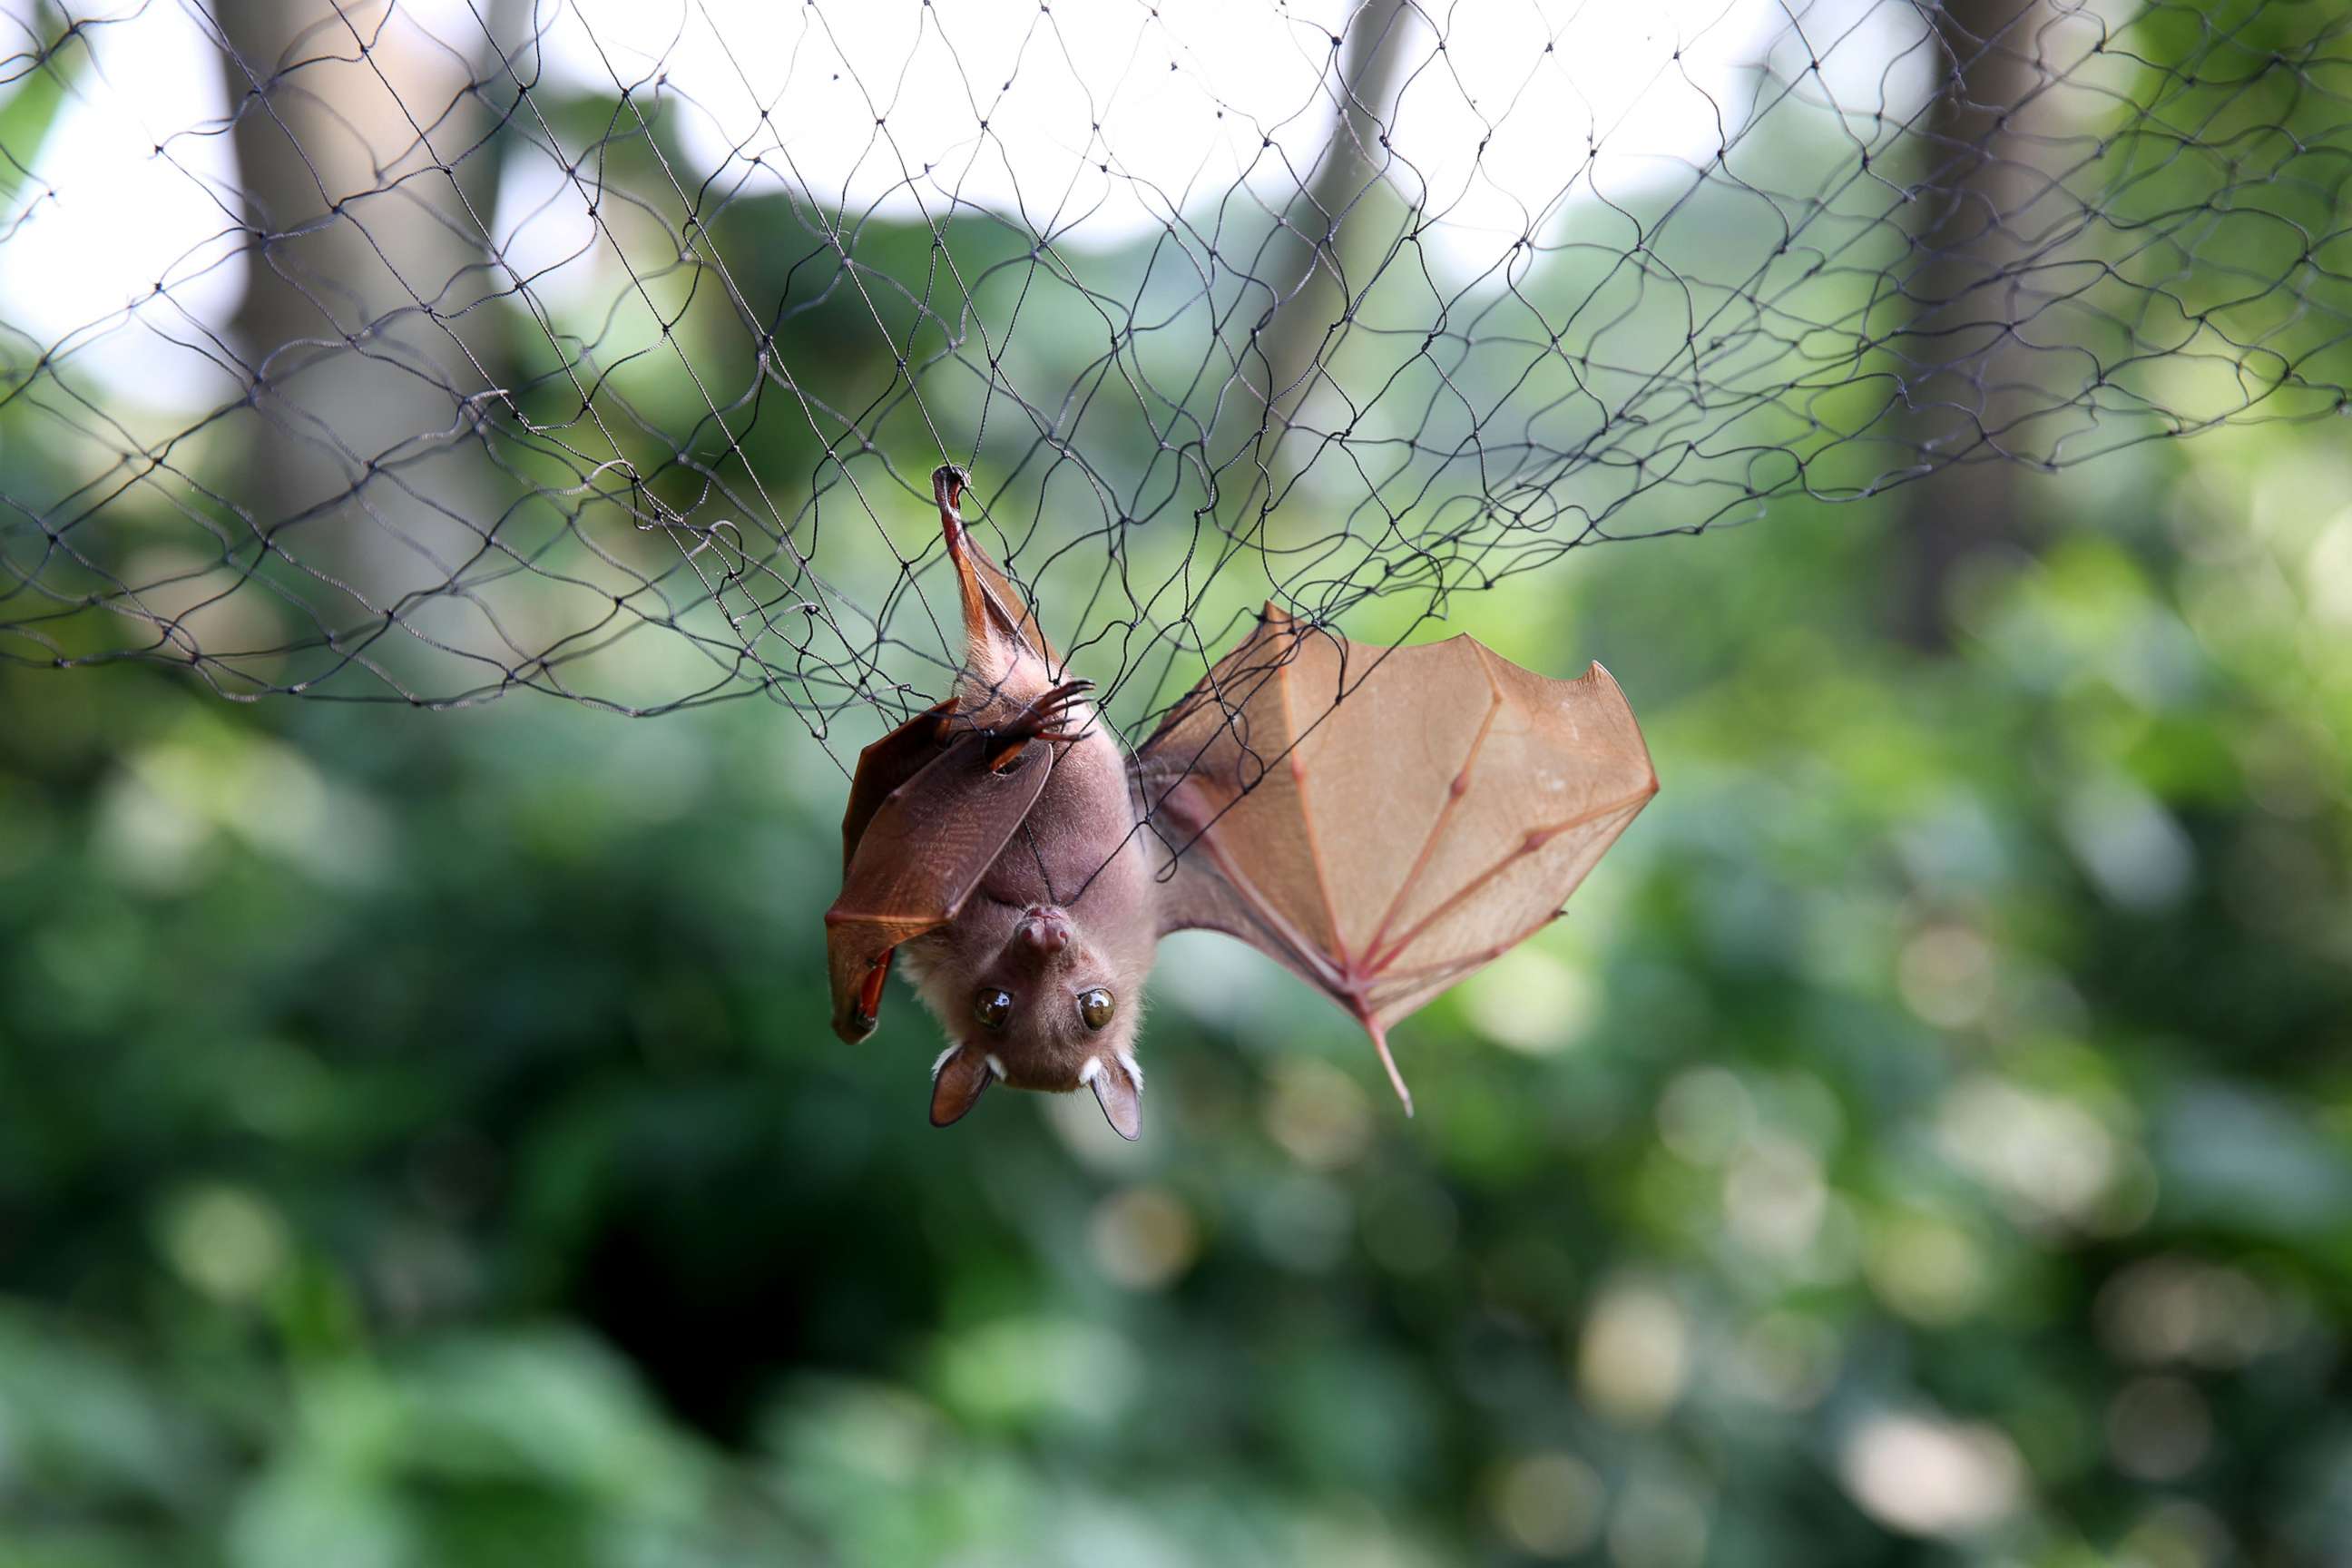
(1382, 822)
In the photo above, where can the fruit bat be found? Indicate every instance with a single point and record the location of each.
(1382, 822)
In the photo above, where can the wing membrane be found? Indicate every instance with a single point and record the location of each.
(1387, 821)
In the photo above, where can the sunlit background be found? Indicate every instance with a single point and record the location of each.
(1929, 1138)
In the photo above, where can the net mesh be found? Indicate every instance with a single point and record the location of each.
(423, 352)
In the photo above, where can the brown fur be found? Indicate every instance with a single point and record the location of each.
(1056, 863)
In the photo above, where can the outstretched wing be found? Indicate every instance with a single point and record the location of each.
(917, 857)
(1386, 821)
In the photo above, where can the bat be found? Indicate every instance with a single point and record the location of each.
(1382, 821)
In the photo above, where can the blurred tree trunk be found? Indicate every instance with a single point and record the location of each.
(368, 184)
(1967, 372)
(1318, 258)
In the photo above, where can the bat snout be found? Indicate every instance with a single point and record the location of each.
(1044, 931)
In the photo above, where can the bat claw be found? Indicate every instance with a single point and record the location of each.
(1046, 718)
(948, 485)
(949, 482)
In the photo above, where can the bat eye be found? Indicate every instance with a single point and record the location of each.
(992, 1007)
(1095, 1006)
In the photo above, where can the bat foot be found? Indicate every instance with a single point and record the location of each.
(949, 482)
(1047, 717)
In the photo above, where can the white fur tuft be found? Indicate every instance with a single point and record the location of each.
(942, 1059)
(1127, 1061)
(994, 1066)
(1091, 1071)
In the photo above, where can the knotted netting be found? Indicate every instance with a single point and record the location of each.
(426, 352)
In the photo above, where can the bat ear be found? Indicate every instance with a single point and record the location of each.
(1118, 1085)
(957, 1079)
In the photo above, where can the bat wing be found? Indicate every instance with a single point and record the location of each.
(917, 855)
(1386, 821)
(884, 766)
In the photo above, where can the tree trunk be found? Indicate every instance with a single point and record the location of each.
(1317, 260)
(368, 187)
(1966, 370)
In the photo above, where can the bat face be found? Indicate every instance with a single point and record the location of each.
(1040, 997)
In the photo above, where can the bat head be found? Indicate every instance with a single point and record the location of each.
(1041, 998)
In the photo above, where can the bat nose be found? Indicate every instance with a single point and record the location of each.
(1046, 930)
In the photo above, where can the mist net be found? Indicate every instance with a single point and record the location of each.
(426, 351)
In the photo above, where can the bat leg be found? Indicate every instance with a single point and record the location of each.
(1381, 1043)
